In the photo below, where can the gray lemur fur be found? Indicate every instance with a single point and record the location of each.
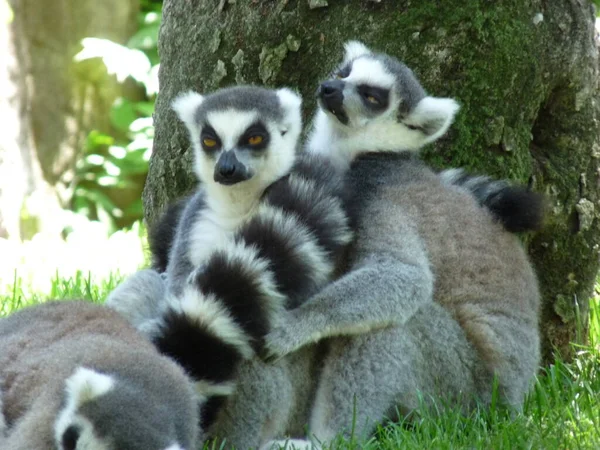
(439, 299)
(76, 376)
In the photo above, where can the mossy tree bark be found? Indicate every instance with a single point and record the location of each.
(525, 72)
(49, 103)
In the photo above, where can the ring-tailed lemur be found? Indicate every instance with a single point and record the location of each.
(76, 376)
(439, 299)
(284, 249)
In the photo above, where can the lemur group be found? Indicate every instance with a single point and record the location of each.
(303, 292)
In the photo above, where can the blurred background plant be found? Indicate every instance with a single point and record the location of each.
(111, 174)
(76, 97)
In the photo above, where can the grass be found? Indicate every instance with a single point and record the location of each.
(561, 412)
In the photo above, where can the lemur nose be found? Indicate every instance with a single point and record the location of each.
(227, 170)
(331, 88)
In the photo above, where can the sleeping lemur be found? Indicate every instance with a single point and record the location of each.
(232, 269)
(439, 299)
(76, 376)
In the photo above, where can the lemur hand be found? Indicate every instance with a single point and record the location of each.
(286, 336)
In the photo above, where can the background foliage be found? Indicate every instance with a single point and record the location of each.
(111, 174)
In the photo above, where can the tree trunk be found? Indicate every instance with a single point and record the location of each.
(525, 72)
(47, 103)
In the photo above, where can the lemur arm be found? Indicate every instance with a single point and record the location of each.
(384, 290)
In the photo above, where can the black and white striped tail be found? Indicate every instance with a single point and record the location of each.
(219, 321)
(285, 253)
(517, 208)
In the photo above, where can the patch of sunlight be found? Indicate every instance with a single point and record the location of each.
(88, 248)
(6, 12)
(118, 59)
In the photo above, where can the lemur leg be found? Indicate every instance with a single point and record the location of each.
(510, 348)
(140, 297)
(373, 377)
(270, 401)
(259, 408)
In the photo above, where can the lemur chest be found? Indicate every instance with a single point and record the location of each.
(210, 232)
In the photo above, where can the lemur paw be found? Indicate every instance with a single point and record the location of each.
(285, 337)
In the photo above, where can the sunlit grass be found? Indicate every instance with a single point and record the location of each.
(80, 286)
(35, 268)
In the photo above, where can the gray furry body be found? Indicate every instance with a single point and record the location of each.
(438, 301)
(74, 375)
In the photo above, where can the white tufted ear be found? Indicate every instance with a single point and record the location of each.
(434, 116)
(354, 49)
(291, 103)
(186, 105)
(86, 384)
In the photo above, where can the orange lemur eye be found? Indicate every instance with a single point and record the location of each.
(255, 140)
(373, 100)
(208, 142)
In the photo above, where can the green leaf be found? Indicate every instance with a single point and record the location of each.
(122, 114)
(146, 38)
(146, 109)
(97, 139)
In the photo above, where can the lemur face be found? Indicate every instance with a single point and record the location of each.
(235, 145)
(99, 413)
(377, 101)
(242, 133)
(359, 92)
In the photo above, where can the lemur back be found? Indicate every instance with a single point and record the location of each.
(76, 376)
(481, 274)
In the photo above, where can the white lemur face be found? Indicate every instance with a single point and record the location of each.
(99, 413)
(242, 134)
(373, 102)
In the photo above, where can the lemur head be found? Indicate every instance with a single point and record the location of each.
(373, 102)
(101, 412)
(242, 135)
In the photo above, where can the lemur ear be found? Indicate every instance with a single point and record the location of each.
(354, 49)
(433, 116)
(291, 103)
(186, 105)
(87, 384)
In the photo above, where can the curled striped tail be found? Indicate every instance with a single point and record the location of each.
(219, 321)
(517, 208)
